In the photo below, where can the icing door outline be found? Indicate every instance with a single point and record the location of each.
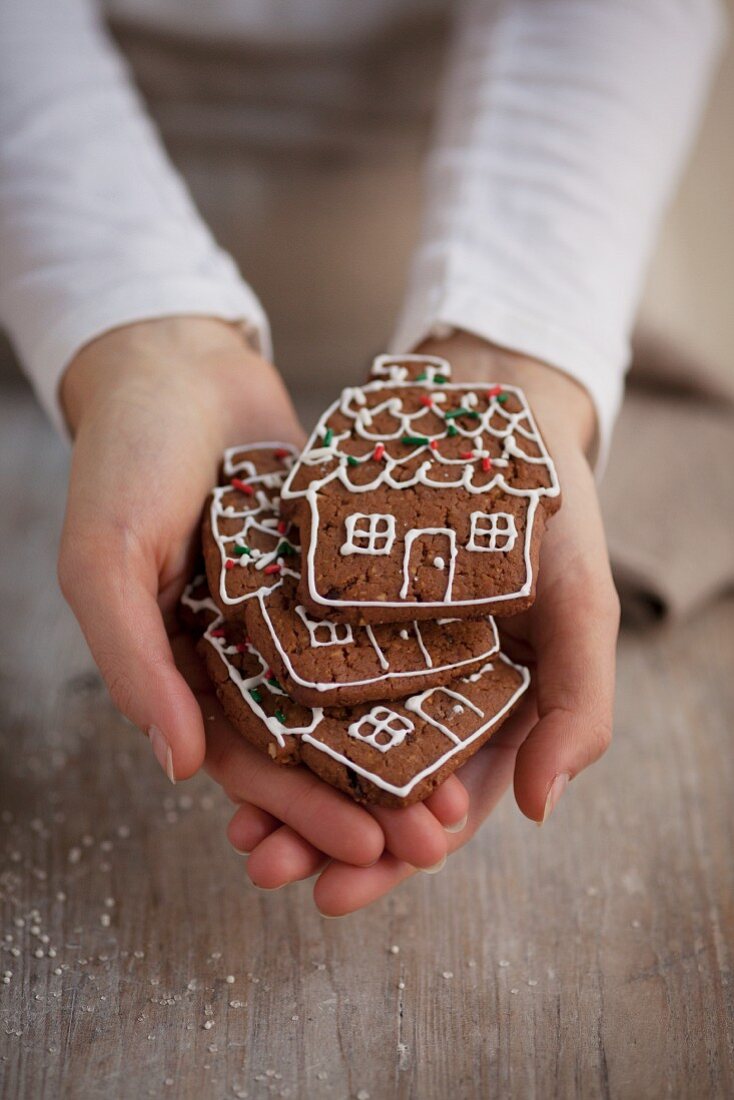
(444, 561)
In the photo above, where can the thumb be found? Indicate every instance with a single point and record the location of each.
(112, 591)
(575, 696)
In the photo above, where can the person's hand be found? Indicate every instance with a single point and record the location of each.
(152, 406)
(568, 637)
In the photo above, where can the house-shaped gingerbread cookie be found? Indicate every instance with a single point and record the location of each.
(418, 497)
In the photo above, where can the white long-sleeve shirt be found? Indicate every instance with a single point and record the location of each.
(562, 128)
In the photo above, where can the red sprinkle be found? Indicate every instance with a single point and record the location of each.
(242, 486)
(379, 452)
(219, 633)
(282, 527)
(495, 391)
(281, 452)
(433, 444)
(270, 569)
(427, 400)
(230, 563)
(486, 464)
(242, 647)
(466, 454)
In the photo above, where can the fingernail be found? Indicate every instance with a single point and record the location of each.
(269, 889)
(435, 869)
(457, 828)
(162, 751)
(333, 916)
(557, 788)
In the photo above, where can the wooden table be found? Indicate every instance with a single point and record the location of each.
(590, 958)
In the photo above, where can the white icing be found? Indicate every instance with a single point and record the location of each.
(258, 515)
(492, 531)
(381, 722)
(392, 366)
(336, 633)
(205, 604)
(439, 562)
(457, 709)
(246, 684)
(372, 533)
(384, 663)
(404, 635)
(249, 468)
(415, 703)
(488, 667)
(419, 638)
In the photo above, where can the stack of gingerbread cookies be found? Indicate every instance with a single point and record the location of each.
(347, 605)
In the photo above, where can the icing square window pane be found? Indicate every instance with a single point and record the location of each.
(382, 728)
(369, 534)
(492, 531)
(324, 633)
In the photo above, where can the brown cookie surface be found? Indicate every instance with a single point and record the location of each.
(389, 754)
(321, 663)
(416, 496)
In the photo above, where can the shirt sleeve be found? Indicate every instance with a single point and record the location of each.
(96, 227)
(562, 130)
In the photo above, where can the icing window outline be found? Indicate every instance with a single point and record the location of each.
(336, 633)
(492, 532)
(384, 723)
(369, 533)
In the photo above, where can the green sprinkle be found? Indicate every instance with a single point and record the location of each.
(453, 413)
(473, 414)
(285, 550)
(421, 377)
(272, 680)
(240, 550)
(256, 694)
(503, 397)
(414, 440)
(280, 716)
(352, 461)
(452, 431)
(328, 436)
(440, 378)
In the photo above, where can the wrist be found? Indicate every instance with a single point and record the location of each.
(204, 363)
(564, 408)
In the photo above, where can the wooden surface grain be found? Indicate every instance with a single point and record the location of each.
(592, 958)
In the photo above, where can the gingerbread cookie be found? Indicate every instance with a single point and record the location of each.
(417, 497)
(320, 663)
(196, 609)
(391, 755)
(243, 537)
